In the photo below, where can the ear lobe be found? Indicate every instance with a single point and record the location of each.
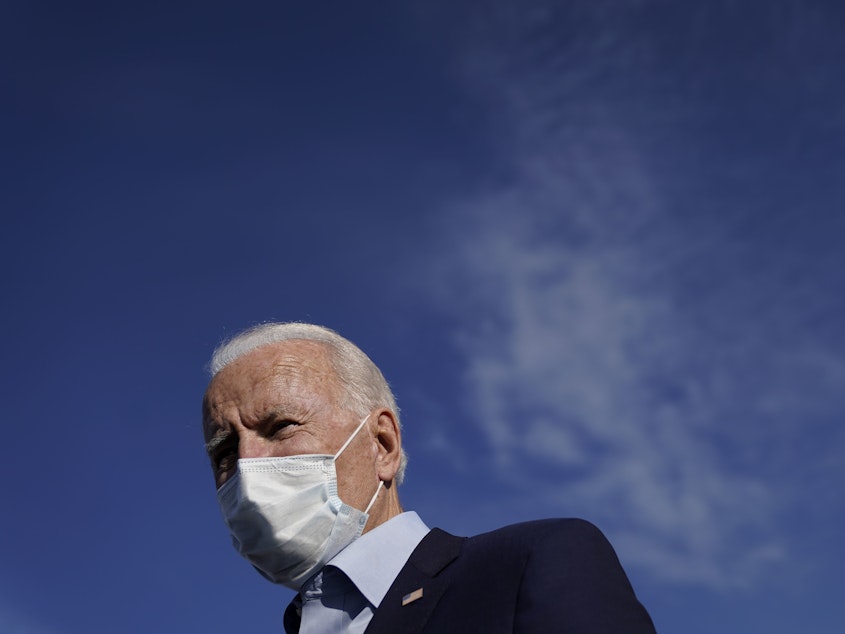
(389, 440)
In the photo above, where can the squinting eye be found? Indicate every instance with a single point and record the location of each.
(282, 426)
(225, 460)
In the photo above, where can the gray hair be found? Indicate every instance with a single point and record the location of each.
(364, 386)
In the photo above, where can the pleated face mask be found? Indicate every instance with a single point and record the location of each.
(285, 515)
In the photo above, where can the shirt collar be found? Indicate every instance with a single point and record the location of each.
(373, 561)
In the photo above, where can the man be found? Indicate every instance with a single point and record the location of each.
(305, 443)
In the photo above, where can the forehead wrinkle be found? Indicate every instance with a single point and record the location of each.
(275, 380)
(297, 375)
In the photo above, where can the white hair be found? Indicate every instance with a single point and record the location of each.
(364, 386)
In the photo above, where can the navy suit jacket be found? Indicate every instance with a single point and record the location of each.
(546, 576)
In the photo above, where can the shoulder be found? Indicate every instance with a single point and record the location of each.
(568, 568)
(569, 533)
(570, 525)
(544, 575)
(555, 553)
(562, 548)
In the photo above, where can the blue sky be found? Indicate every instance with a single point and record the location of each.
(594, 246)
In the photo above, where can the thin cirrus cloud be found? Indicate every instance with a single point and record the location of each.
(659, 427)
(676, 379)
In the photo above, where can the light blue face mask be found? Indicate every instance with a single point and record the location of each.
(285, 515)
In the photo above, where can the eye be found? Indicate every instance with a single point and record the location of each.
(224, 456)
(281, 428)
(225, 459)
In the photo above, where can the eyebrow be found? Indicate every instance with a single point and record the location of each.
(212, 445)
(280, 412)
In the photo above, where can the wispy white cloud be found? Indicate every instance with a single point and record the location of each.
(675, 439)
(669, 416)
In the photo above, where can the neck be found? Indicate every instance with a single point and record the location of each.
(386, 507)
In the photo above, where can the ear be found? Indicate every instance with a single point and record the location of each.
(389, 442)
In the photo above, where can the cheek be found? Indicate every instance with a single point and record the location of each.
(357, 476)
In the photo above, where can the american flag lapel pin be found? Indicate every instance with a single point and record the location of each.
(413, 596)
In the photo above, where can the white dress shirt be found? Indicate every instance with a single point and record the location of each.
(345, 594)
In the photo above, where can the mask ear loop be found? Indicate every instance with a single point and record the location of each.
(375, 495)
(345, 445)
(354, 433)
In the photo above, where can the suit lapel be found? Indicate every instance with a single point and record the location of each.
(422, 573)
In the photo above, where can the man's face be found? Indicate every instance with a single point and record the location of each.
(282, 400)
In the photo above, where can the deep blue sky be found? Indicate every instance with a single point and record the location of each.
(596, 248)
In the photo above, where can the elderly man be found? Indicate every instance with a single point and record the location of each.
(305, 443)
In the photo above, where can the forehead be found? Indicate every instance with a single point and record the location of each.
(274, 375)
